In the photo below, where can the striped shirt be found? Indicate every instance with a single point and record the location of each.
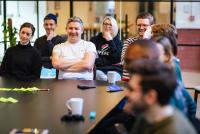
(127, 42)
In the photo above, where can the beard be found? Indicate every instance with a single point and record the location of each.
(140, 107)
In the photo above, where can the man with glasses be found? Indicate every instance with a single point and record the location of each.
(143, 25)
(75, 58)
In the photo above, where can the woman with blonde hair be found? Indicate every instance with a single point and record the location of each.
(109, 47)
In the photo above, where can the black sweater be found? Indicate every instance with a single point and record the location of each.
(22, 62)
(45, 48)
(109, 52)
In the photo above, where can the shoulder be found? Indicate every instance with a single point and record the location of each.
(59, 47)
(33, 49)
(96, 38)
(117, 37)
(11, 50)
(87, 43)
(41, 38)
(60, 38)
(130, 40)
(89, 46)
(117, 40)
(182, 124)
(39, 41)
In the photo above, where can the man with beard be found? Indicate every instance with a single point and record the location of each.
(46, 43)
(143, 25)
(75, 58)
(150, 89)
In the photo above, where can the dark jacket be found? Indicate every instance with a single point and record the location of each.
(45, 48)
(109, 53)
(22, 62)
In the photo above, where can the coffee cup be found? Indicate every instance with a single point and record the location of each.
(75, 106)
(111, 76)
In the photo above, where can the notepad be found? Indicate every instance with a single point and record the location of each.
(47, 73)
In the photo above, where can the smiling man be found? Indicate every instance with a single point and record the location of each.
(143, 26)
(75, 58)
(46, 43)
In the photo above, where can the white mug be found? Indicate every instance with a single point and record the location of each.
(75, 106)
(111, 76)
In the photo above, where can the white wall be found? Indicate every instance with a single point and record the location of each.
(63, 14)
(23, 11)
(183, 12)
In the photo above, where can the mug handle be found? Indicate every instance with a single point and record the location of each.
(69, 107)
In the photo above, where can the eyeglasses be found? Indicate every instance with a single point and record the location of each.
(142, 25)
(107, 24)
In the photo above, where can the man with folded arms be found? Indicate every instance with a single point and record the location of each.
(150, 89)
(75, 58)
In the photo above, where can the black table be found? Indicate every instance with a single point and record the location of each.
(44, 109)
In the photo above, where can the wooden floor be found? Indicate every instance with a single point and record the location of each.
(192, 79)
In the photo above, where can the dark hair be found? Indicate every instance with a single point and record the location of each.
(169, 31)
(74, 19)
(51, 16)
(165, 43)
(146, 15)
(149, 50)
(157, 76)
(28, 25)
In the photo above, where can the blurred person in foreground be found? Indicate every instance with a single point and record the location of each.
(181, 99)
(151, 85)
(169, 31)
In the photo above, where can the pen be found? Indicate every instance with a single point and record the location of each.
(43, 89)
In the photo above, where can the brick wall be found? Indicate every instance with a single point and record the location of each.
(189, 49)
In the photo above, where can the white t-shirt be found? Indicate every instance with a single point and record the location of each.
(75, 52)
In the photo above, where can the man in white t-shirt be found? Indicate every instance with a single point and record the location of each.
(75, 58)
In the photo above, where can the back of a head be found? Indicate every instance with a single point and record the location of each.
(167, 47)
(51, 16)
(146, 15)
(142, 49)
(169, 31)
(157, 76)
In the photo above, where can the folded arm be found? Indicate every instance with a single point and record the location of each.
(87, 63)
(61, 63)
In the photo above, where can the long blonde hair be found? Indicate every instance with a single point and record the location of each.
(114, 25)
